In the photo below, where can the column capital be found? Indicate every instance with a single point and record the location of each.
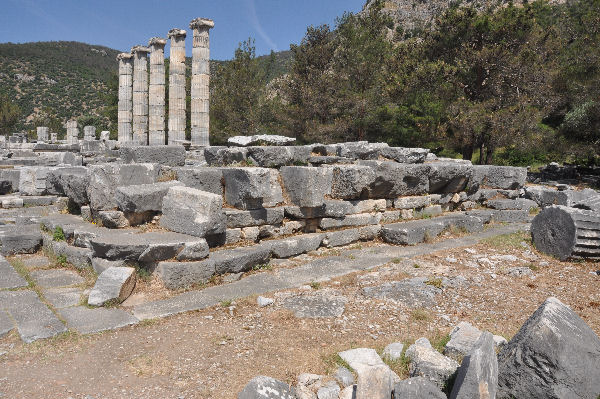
(200, 23)
(140, 49)
(157, 41)
(124, 56)
(175, 32)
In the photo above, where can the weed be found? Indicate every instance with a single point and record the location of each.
(399, 366)
(143, 273)
(351, 257)
(419, 314)
(248, 162)
(439, 342)
(315, 285)
(333, 361)
(396, 260)
(62, 260)
(263, 266)
(427, 237)
(504, 241)
(533, 267)
(435, 282)
(416, 266)
(149, 322)
(167, 175)
(59, 234)
(226, 303)
(20, 268)
(300, 163)
(534, 210)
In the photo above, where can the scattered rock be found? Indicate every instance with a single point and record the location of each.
(393, 351)
(429, 363)
(417, 388)
(344, 377)
(477, 377)
(115, 283)
(262, 301)
(554, 355)
(267, 388)
(316, 305)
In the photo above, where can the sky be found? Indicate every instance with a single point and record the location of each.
(121, 24)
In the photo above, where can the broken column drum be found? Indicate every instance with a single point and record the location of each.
(72, 132)
(42, 133)
(125, 107)
(177, 86)
(156, 101)
(200, 81)
(567, 232)
(140, 95)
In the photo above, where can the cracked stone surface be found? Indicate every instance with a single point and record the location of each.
(54, 278)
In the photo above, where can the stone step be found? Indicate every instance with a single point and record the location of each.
(417, 231)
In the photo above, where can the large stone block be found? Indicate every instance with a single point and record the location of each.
(32, 180)
(169, 155)
(205, 179)
(222, 156)
(295, 245)
(190, 211)
(554, 355)
(105, 178)
(449, 177)
(502, 177)
(240, 259)
(270, 157)
(176, 275)
(477, 377)
(143, 197)
(394, 179)
(72, 182)
(360, 150)
(307, 186)
(405, 155)
(9, 180)
(113, 284)
(426, 362)
(254, 217)
(252, 188)
(351, 181)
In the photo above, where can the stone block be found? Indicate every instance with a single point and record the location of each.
(449, 177)
(293, 246)
(502, 177)
(240, 259)
(9, 180)
(169, 155)
(351, 181)
(393, 180)
(569, 350)
(205, 179)
(415, 202)
(270, 157)
(405, 155)
(360, 150)
(113, 284)
(12, 202)
(429, 363)
(267, 388)
(177, 275)
(417, 388)
(87, 321)
(251, 188)
(112, 219)
(307, 186)
(340, 238)
(361, 219)
(254, 217)
(477, 376)
(222, 156)
(99, 265)
(508, 204)
(190, 211)
(32, 180)
(143, 197)
(20, 239)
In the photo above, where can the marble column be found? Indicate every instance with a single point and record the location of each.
(125, 107)
(89, 133)
(200, 81)
(156, 99)
(140, 94)
(72, 132)
(42, 133)
(177, 86)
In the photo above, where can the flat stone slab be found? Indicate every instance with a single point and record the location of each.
(9, 278)
(35, 262)
(54, 278)
(34, 320)
(316, 306)
(414, 292)
(63, 297)
(6, 323)
(86, 321)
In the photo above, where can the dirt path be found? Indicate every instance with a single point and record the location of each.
(214, 352)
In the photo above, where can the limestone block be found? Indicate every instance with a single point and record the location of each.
(143, 197)
(115, 283)
(307, 186)
(251, 188)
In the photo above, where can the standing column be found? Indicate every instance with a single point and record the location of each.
(156, 100)
(177, 86)
(72, 132)
(42, 133)
(125, 97)
(140, 94)
(200, 81)
(89, 133)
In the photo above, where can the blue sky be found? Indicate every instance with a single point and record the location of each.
(121, 24)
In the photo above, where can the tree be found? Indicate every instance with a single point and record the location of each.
(9, 115)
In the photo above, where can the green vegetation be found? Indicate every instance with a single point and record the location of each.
(315, 285)
(506, 241)
(58, 234)
(435, 282)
